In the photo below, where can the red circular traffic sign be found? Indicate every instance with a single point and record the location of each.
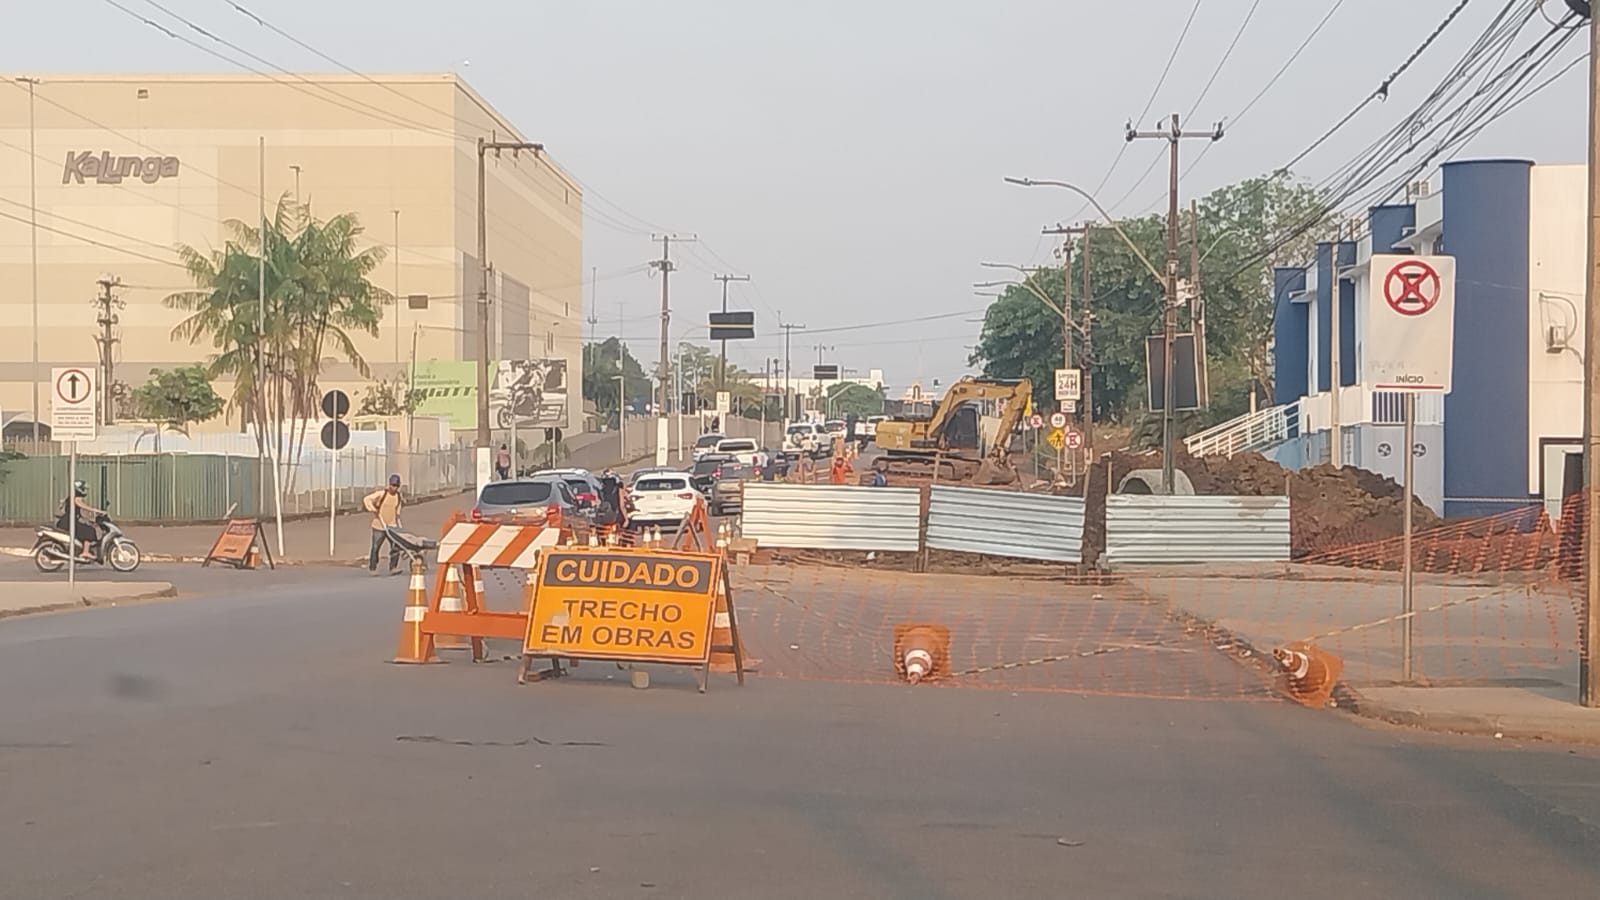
(1412, 288)
(1074, 440)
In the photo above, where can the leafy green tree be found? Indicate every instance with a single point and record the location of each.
(388, 397)
(602, 363)
(850, 398)
(177, 397)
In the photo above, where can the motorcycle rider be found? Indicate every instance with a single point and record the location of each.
(86, 515)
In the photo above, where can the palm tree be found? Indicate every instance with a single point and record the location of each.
(317, 294)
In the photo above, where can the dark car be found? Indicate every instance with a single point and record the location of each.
(585, 486)
(530, 500)
(705, 470)
(727, 487)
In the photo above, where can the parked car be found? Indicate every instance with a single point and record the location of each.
(663, 498)
(704, 470)
(727, 487)
(834, 428)
(707, 443)
(746, 449)
(528, 501)
(649, 470)
(802, 438)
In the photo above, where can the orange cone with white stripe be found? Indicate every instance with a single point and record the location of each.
(722, 660)
(921, 652)
(415, 646)
(451, 601)
(1311, 673)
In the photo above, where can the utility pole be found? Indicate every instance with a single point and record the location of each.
(484, 146)
(1197, 312)
(725, 279)
(108, 304)
(1589, 658)
(1174, 135)
(664, 360)
(1086, 359)
(33, 229)
(788, 330)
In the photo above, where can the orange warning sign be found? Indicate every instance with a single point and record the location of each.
(235, 544)
(624, 605)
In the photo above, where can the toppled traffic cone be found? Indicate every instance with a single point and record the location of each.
(451, 601)
(1311, 672)
(722, 661)
(415, 645)
(921, 651)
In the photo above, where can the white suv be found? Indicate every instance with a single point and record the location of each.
(663, 497)
(746, 450)
(802, 438)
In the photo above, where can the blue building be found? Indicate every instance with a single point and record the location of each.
(1500, 439)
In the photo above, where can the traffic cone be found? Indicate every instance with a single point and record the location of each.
(253, 558)
(611, 538)
(415, 646)
(594, 539)
(722, 661)
(450, 601)
(1311, 673)
(921, 651)
(722, 538)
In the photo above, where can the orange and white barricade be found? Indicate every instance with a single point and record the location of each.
(467, 548)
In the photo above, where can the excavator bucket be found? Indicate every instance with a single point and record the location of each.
(995, 472)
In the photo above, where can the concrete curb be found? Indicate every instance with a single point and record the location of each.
(1515, 727)
(159, 590)
(25, 552)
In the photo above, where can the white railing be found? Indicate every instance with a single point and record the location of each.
(1361, 405)
(1251, 431)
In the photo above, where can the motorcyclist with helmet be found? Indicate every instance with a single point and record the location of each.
(86, 515)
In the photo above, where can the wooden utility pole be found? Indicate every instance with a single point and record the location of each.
(664, 360)
(1197, 311)
(788, 404)
(516, 147)
(723, 367)
(1173, 135)
(108, 304)
(1085, 359)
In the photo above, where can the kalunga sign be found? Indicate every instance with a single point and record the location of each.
(108, 169)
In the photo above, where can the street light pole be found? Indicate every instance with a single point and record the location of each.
(723, 367)
(33, 228)
(484, 146)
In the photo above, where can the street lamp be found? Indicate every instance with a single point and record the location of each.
(1154, 272)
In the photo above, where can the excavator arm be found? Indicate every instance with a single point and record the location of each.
(969, 390)
(1010, 419)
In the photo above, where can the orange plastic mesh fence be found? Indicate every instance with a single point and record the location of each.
(1494, 602)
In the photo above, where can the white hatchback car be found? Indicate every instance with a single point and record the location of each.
(746, 450)
(663, 497)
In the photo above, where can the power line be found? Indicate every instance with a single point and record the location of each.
(1249, 14)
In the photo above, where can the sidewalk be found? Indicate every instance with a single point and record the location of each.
(1500, 657)
(19, 598)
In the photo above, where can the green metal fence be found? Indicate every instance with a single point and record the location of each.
(135, 487)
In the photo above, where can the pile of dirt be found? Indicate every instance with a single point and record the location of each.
(1329, 507)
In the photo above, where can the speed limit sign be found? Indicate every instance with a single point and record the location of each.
(1058, 420)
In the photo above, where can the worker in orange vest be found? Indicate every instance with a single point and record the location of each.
(840, 470)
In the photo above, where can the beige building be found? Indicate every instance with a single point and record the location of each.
(125, 167)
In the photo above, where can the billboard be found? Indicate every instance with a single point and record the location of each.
(532, 393)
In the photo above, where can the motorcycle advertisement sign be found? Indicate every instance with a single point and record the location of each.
(533, 392)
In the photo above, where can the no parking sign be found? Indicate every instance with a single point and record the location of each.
(1410, 332)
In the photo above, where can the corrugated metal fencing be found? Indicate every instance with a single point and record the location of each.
(1006, 523)
(1190, 529)
(183, 487)
(832, 517)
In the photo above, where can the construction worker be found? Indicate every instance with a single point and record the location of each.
(384, 504)
(840, 470)
(880, 473)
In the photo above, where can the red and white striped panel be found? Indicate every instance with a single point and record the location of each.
(495, 546)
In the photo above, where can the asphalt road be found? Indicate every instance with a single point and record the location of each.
(251, 741)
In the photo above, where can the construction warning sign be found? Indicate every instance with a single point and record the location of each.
(624, 605)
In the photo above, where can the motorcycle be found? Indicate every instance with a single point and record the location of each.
(114, 548)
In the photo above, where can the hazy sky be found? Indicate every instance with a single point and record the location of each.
(849, 155)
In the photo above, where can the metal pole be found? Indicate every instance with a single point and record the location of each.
(1589, 657)
(72, 515)
(33, 227)
(397, 307)
(261, 314)
(333, 489)
(483, 307)
(1087, 363)
(1407, 601)
(622, 414)
(1336, 436)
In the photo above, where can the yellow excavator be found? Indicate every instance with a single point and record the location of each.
(949, 440)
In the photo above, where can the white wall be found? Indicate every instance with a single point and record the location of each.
(1556, 263)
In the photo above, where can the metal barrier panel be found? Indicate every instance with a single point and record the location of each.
(832, 516)
(1006, 523)
(1186, 529)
